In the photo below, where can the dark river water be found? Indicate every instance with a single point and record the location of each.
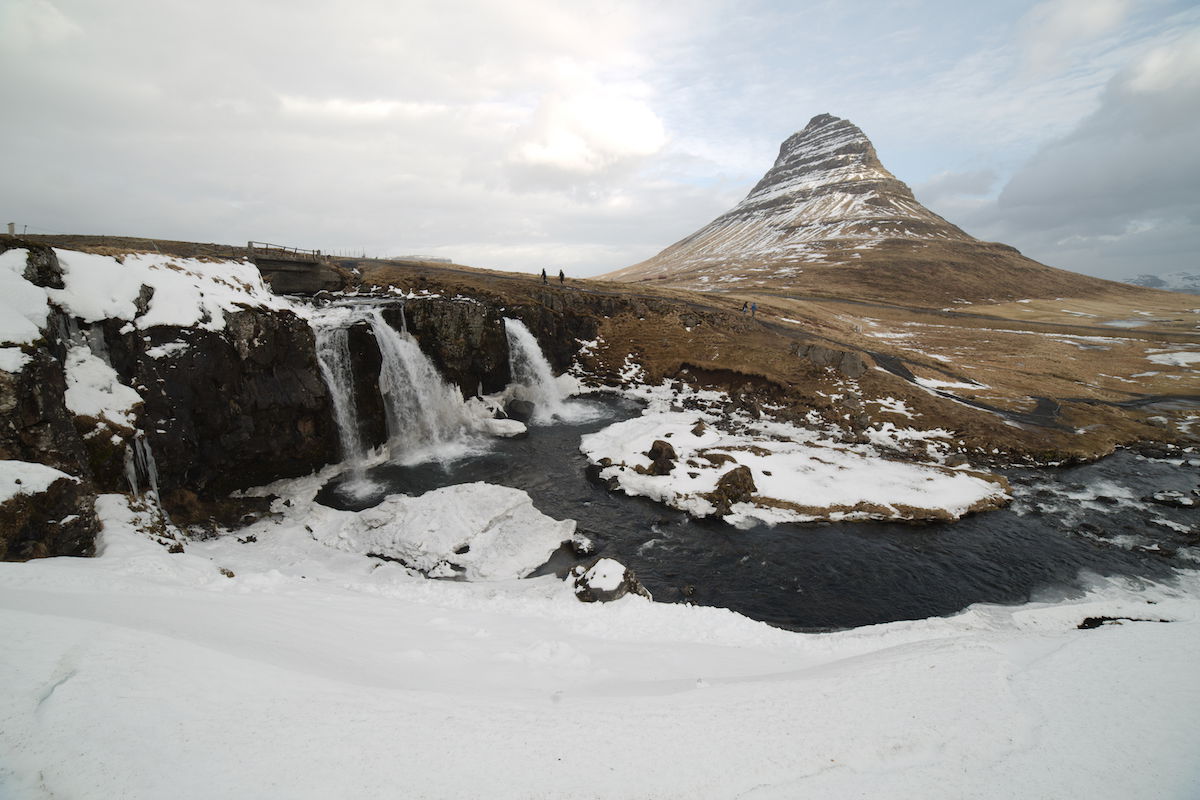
(1063, 525)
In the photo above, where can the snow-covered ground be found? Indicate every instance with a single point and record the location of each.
(800, 474)
(266, 664)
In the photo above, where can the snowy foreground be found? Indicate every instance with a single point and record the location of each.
(267, 664)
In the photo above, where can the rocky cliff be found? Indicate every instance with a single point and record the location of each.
(117, 380)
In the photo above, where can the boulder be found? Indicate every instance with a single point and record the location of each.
(662, 455)
(852, 365)
(604, 581)
(735, 486)
(520, 410)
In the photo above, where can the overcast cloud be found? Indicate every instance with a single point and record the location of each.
(591, 135)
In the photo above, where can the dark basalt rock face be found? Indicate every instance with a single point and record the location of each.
(366, 360)
(35, 424)
(464, 339)
(237, 408)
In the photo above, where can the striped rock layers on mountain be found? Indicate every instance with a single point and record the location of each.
(829, 219)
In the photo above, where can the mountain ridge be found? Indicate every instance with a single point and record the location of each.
(828, 217)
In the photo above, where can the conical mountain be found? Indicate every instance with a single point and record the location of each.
(829, 219)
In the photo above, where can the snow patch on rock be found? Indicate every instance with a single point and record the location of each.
(95, 390)
(27, 477)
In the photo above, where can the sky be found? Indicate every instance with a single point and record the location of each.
(522, 134)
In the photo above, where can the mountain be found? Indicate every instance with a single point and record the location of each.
(828, 218)
(1188, 282)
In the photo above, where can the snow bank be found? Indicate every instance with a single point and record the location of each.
(146, 289)
(187, 292)
(478, 531)
(799, 476)
(26, 477)
(355, 679)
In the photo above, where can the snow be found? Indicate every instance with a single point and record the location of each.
(488, 532)
(315, 673)
(23, 308)
(605, 575)
(95, 390)
(934, 383)
(166, 350)
(799, 475)
(186, 292)
(892, 405)
(26, 477)
(1175, 359)
(12, 359)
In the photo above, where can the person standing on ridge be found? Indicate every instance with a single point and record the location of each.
(754, 309)
(544, 276)
(745, 305)
(561, 278)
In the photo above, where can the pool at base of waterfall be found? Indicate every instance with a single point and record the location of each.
(1063, 524)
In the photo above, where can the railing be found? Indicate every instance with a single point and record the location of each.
(280, 251)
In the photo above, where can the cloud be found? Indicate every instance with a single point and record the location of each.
(593, 133)
(28, 24)
(947, 185)
(1118, 194)
(1051, 28)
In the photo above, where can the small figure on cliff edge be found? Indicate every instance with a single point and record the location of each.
(754, 309)
(544, 277)
(562, 279)
(745, 305)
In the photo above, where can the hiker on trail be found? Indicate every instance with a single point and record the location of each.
(754, 309)
(544, 277)
(561, 278)
(745, 306)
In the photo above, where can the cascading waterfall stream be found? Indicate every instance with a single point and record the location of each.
(533, 381)
(333, 356)
(425, 415)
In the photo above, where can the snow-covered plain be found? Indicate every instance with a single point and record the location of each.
(265, 664)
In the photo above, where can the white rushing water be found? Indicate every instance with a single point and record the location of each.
(425, 415)
(333, 356)
(531, 376)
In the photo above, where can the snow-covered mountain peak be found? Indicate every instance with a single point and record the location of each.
(829, 152)
(826, 197)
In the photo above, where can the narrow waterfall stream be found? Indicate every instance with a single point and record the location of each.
(531, 376)
(333, 356)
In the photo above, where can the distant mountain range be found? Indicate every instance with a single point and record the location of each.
(1188, 282)
(829, 219)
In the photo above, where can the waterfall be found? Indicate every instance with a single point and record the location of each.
(425, 414)
(531, 373)
(424, 411)
(333, 357)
